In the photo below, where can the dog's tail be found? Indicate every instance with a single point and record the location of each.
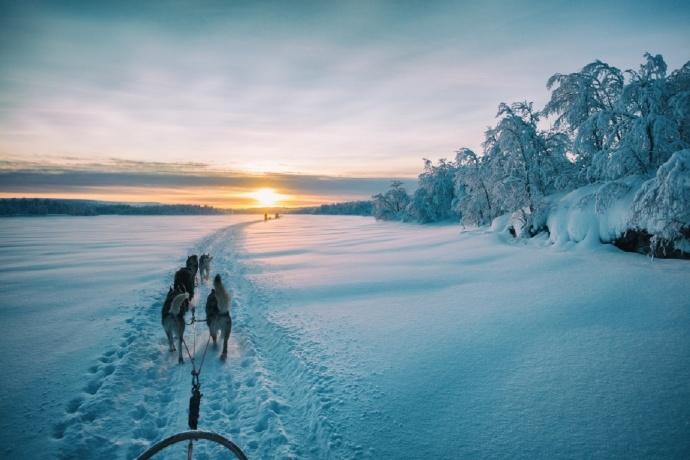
(177, 303)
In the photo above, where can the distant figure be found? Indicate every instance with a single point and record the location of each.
(277, 215)
(265, 216)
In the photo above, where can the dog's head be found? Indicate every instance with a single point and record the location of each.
(193, 262)
(217, 282)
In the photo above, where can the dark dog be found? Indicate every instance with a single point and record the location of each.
(184, 281)
(218, 313)
(193, 264)
(172, 317)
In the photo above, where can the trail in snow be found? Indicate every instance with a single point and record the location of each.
(67, 285)
(137, 394)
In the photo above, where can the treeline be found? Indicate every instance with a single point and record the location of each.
(607, 125)
(45, 206)
(347, 208)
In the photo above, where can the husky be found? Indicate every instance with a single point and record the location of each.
(172, 318)
(218, 313)
(205, 266)
(193, 264)
(184, 281)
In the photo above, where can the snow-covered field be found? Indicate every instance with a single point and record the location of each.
(70, 289)
(351, 338)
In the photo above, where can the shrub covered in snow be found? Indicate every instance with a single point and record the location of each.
(392, 204)
(433, 199)
(662, 205)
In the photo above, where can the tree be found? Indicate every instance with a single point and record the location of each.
(433, 199)
(473, 198)
(651, 133)
(392, 204)
(526, 164)
(585, 106)
(662, 205)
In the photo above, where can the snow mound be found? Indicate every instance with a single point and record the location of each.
(652, 216)
(594, 214)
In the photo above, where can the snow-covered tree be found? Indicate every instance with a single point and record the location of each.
(579, 95)
(650, 131)
(473, 196)
(585, 106)
(678, 86)
(526, 164)
(608, 125)
(433, 199)
(392, 204)
(662, 206)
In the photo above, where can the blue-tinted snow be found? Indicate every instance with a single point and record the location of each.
(351, 339)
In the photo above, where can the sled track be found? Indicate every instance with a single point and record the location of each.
(136, 393)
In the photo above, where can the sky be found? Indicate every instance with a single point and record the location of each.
(206, 101)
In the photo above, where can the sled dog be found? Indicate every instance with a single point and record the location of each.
(184, 281)
(205, 266)
(172, 318)
(218, 313)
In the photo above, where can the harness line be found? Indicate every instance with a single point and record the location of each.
(195, 399)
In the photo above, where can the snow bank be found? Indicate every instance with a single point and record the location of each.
(593, 214)
(602, 213)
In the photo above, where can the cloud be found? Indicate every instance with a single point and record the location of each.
(311, 88)
(179, 183)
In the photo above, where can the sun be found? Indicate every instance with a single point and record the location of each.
(266, 197)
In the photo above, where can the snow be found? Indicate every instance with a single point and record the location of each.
(71, 288)
(351, 339)
(593, 214)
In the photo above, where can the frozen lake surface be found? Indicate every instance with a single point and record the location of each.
(351, 338)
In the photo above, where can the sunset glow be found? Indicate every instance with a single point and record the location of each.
(266, 197)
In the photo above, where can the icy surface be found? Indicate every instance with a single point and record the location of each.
(351, 339)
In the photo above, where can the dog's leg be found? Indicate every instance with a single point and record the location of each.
(226, 335)
(169, 335)
(179, 341)
(171, 345)
(212, 330)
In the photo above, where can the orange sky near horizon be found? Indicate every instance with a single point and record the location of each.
(218, 197)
